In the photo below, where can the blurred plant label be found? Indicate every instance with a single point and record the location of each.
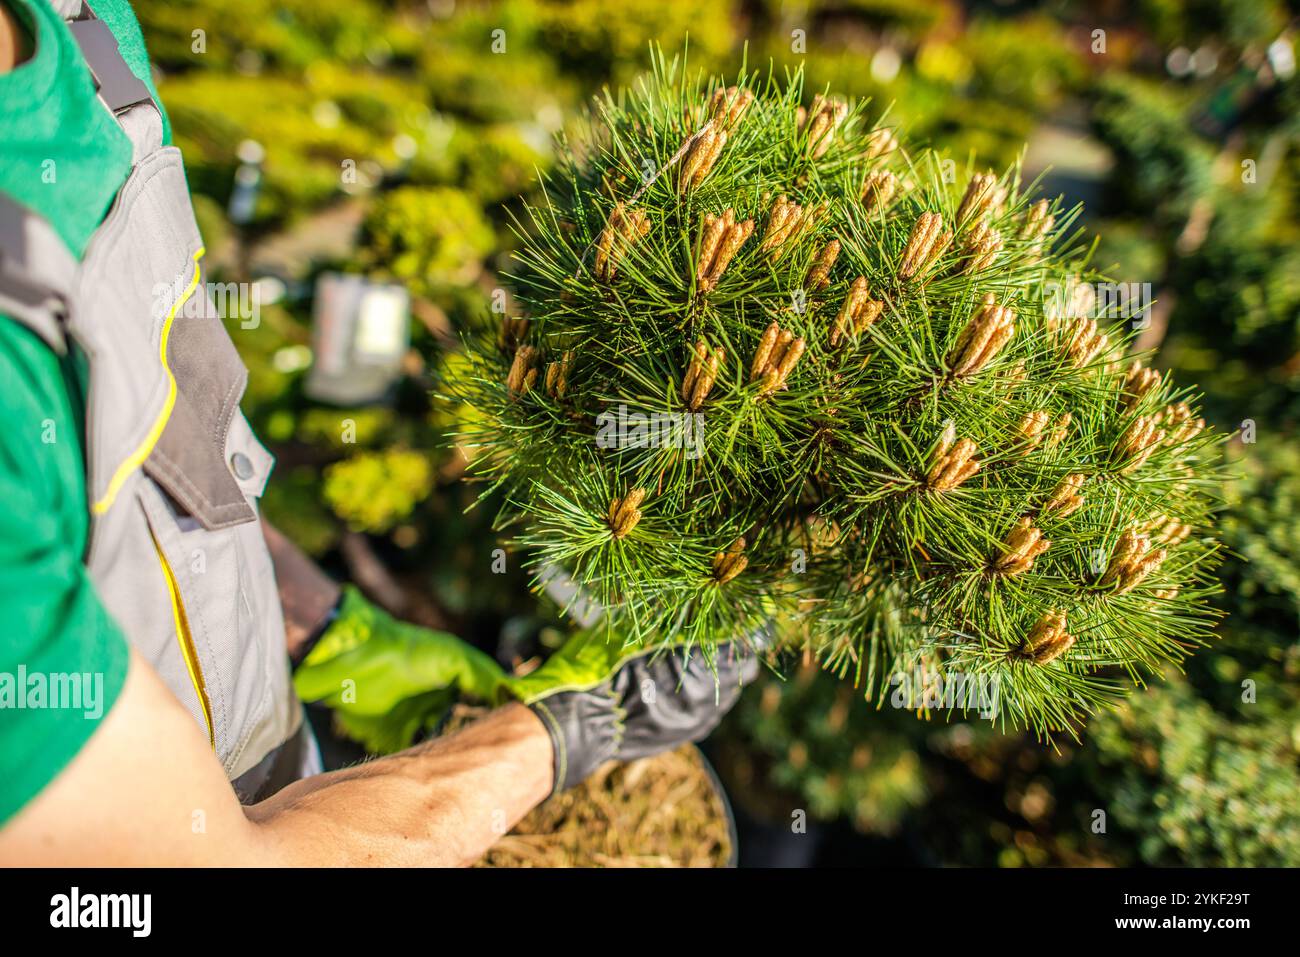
(381, 323)
(360, 331)
(242, 204)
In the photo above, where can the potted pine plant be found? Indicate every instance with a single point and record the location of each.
(771, 364)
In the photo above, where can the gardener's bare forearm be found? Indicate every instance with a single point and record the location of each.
(445, 802)
(440, 803)
(147, 790)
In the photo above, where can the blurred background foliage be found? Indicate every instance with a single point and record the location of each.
(393, 138)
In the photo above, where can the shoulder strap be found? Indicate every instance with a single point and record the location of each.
(36, 273)
(118, 87)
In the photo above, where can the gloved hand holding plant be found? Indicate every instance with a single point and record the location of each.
(388, 682)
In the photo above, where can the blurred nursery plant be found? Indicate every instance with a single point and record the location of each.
(1198, 791)
(429, 238)
(805, 740)
(1265, 582)
(861, 391)
(373, 491)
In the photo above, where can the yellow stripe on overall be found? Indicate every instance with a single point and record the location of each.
(136, 458)
(185, 638)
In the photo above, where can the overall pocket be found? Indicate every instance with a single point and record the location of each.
(204, 476)
(218, 620)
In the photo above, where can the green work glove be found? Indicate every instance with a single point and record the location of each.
(388, 680)
(600, 703)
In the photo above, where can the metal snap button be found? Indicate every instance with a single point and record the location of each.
(242, 465)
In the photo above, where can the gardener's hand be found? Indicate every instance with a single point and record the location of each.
(651, 702)
(388, 680)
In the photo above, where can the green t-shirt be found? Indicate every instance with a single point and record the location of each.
(63, 156)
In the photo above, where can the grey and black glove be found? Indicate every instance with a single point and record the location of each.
(649, 702)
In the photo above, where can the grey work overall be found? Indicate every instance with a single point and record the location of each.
(173, 470)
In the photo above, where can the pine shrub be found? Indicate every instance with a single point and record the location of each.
(880, 411)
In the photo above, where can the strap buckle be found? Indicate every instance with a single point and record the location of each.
(118, 87)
